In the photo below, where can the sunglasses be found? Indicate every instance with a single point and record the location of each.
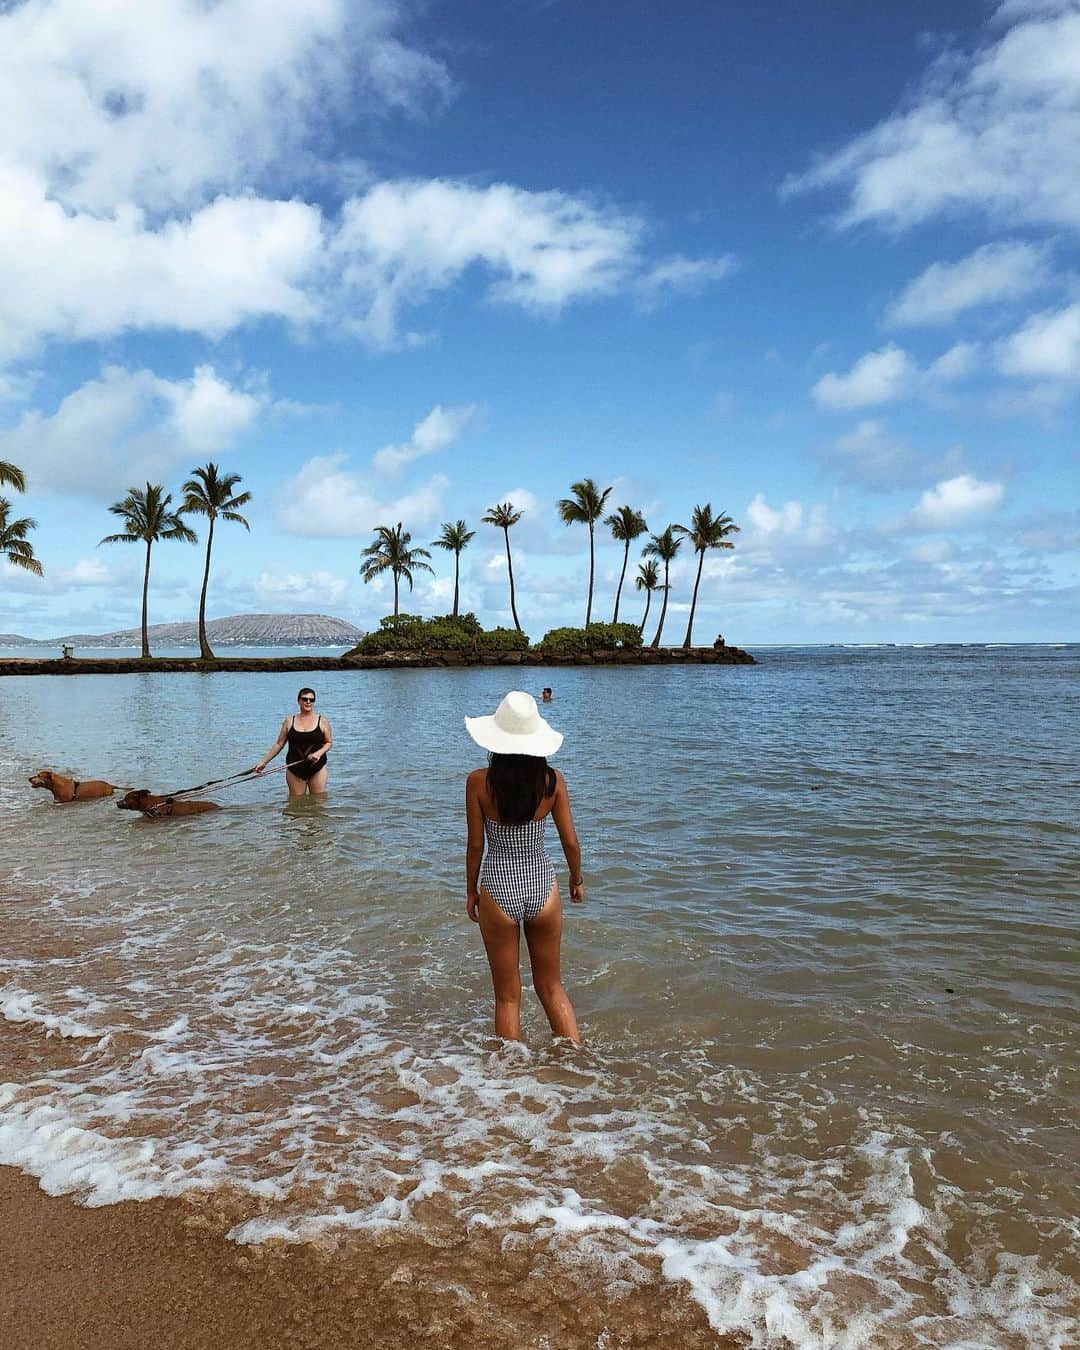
(306, 699)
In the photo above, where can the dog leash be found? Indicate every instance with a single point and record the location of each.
(231, 780)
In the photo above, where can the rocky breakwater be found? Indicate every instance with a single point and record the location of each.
(644, 656)
(133, 665)
(641, 656)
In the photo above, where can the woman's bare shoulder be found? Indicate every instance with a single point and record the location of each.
(476, 780)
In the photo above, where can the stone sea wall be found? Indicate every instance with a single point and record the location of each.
(646, 656)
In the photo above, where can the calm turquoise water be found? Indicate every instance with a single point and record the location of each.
(825, 973)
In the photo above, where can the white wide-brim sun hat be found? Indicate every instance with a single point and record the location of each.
(515, 728)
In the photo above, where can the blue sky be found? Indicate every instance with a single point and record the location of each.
(815, 265)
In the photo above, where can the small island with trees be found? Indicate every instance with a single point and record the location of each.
(403, 639)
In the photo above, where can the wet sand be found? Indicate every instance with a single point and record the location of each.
(163, 1273)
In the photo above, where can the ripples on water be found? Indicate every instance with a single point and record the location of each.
(828, 1085)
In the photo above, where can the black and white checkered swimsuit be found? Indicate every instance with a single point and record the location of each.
(516, 872)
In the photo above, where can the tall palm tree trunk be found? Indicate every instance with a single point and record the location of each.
(510, 569)
(204, 644)
(622, 577)
(397, 582)
(663, 610)
(693, 602)
(145, 597)
(592, 571)
(457, 568)
(645, 616)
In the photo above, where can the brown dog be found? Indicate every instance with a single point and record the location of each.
(69, 789)
(154, 806)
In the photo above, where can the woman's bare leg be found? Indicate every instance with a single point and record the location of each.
(297, 786)
(317, 782)
(501, 942)
(544, 936)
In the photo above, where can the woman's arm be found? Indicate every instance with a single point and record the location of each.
(328, 744)
(275, 749)
(564, 823)
(474, 848)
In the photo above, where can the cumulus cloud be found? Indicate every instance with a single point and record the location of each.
(991, 275)
(874, 457)
(137, 144)
(770, 520)
(960, 361)
(125, 427)
(993, 131)
(440, 428)
(781, 527)
(1046, 347)
(166, 104)
(956, 501)
(327, 499)
(679, 275)
(877, 377)
(892, 373)
(299, 588)
(402, 241)
(74, 276)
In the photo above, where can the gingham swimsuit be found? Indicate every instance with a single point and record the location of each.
(516, 872)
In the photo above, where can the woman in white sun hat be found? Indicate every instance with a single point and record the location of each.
(513, 883)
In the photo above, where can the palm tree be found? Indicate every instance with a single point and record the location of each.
(705, 531)
(147, 519)
(625, 524)
(391, 553)
(647, 580)
(12, 475)
(454, 538)
(504, 516)
(663, 546)
(206, 494)
(585, 507)
(14, 545)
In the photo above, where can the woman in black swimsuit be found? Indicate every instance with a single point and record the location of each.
(309, 737)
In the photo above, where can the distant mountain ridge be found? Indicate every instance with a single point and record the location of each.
(239, 630)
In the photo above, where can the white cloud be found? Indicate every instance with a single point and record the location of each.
(768, 520)
(877, 377)
(146, 152)
(440, 428)
(679, 275)
(1046, 347)
(959, 362)
(993, 131)
(990, 275)
(75, 276)
(875, 458)
(955, 501)
(326, 499)
(300, 588)
(521, 499)
(125, 427)
(402, 241)
(86, 572)
(165, 104)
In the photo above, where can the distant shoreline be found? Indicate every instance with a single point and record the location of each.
(134, 665)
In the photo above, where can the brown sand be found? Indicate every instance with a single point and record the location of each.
(162, 1275)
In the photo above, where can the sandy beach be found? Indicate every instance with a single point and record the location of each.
(162, 1272)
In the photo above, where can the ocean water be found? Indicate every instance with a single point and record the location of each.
(826, 976)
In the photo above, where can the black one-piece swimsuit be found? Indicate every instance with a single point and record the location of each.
(301, 744)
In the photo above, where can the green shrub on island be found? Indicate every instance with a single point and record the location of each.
(584, 641)
(503, 640)
(447, 633)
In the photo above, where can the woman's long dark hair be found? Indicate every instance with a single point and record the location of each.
(519, 783)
